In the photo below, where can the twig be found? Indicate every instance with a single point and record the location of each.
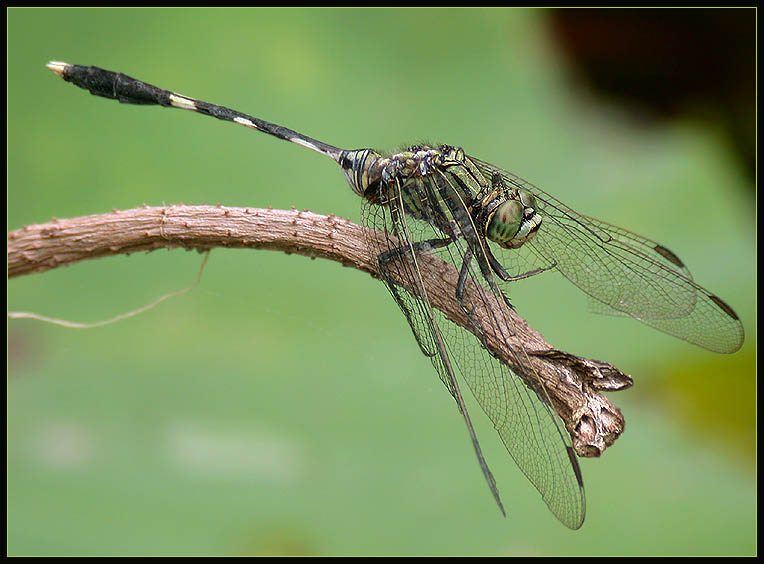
(574, 384)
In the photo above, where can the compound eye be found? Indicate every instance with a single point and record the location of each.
(527, 199)
(505, 222)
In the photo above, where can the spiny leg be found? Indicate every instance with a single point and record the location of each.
(506, 276)
(383, 259)
(460, 287)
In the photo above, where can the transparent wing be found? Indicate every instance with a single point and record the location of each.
(518, 408)
(625, 274)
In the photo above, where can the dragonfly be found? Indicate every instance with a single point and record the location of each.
(494, 228)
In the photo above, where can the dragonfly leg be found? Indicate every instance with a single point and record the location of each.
(463, 274)
(400, 252)
(485, 269)
(419, 246)
(460, 288)
(506, 276)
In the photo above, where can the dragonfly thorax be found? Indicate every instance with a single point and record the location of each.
(368, 172)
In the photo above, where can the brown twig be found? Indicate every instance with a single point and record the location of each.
(574, 384)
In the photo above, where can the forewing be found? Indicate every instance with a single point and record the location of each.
(627, 274)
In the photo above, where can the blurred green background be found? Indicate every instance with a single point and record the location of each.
(283, 407)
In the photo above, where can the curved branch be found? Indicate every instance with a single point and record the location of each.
(574, 384)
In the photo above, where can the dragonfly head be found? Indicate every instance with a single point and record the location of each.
(513, 221)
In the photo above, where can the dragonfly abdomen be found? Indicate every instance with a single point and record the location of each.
(128, 90)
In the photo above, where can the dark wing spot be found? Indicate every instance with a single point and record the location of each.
(576, 467)
(668, 255)
(724, 307)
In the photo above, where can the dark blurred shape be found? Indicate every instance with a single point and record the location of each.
(670, 62)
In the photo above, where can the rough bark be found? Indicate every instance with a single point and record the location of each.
(574, 384)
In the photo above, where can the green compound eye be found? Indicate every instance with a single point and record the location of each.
(505, 222)
(526, 198)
